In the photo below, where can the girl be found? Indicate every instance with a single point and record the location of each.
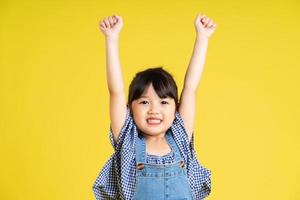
(152, 134)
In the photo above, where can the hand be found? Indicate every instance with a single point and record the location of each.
(111, 26)
(205, 27)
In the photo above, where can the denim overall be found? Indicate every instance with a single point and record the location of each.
(161, 181)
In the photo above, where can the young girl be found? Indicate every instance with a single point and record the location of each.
(152, 134)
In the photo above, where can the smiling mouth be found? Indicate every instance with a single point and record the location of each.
(154, 121)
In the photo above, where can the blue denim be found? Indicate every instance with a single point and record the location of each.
(161, 182)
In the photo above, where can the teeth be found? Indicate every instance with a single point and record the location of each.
(153, 121)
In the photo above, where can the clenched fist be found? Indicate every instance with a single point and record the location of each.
(111, 26)
(205, 27)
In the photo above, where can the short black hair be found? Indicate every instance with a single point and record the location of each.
(162, 81)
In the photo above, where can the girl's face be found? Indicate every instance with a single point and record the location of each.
(153, 115)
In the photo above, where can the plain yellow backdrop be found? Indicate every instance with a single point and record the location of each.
(54, 98)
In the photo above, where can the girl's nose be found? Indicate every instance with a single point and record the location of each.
(153, 110)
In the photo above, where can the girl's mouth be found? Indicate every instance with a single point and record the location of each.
(154, 121)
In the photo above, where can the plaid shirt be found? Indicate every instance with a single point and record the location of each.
(117, 178)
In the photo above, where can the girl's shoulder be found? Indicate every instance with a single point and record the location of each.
(127, 134)
(178, 128)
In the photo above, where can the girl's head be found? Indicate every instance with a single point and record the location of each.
(153, 100)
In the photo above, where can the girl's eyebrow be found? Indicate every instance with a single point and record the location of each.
(143, 96)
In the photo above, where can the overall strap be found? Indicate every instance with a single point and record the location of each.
(140, 150)
(173, 145)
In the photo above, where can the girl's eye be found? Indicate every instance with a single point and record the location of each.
(143, 102)
(164, 102)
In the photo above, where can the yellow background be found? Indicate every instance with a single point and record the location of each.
(54, 98)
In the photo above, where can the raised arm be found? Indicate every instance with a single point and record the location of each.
(111, 27)
(204, 29)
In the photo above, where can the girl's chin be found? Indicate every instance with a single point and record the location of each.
(154, 132)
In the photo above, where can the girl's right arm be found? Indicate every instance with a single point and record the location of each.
(111, 27)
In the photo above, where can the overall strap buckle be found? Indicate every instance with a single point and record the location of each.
(140, 166)
(181, 164)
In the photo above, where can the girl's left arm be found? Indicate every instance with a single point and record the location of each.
(204, 28)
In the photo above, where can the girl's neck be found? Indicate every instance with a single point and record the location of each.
(157, 145)
(154, 138)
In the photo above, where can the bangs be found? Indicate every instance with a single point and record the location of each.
(162, 88)
(162, 81)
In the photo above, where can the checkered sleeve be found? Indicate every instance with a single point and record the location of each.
(199, 176)
(116, 179)
(200, 180)
(105, 186)
(126, 138)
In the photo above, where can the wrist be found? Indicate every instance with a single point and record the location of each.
(201, 38)
(112, 38)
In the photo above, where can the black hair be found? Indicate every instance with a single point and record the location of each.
(162, 81)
